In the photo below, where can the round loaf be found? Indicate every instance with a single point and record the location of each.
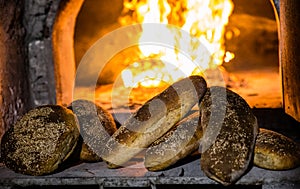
(96, 127)
(275, 151)
(40, 141)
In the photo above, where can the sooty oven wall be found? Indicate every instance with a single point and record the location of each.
(26, 63)
(14, 95)
(28, 66)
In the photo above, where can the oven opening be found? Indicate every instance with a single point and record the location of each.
(241, 41)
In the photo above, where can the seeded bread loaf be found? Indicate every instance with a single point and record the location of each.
(275, 151)
(96, 127)
(230, 130)
(176, 144)
(153, 120)
(40, 141)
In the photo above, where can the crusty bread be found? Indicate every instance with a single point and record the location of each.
(87, 154)
(96, 127)
(40, 141)
(230, 130)
(275, 151)
(176, 144)
(153, 120)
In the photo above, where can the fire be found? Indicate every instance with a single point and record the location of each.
(203, 19)
(228, 56)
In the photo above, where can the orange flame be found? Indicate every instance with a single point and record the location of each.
(203, 19)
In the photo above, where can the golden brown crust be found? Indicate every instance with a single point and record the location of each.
(179, 142)
(275, 151)
(41, 140)
(96, 127)
(154, 119)
(229, 136)
(87, 154)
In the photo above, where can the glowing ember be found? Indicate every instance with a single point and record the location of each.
(228, 56)
(203, 19)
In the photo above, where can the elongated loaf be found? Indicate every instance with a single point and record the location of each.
(176, 144)
(275, 151)
(230, 130)
(40, 141)
(96, 127)
(153, 120)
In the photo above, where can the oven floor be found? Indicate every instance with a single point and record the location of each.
(261, 88)
(135, 175)
(186, 172)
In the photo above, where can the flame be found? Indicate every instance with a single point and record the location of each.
(203, 19)
(228, 56)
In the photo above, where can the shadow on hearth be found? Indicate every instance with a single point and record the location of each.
(276, 119)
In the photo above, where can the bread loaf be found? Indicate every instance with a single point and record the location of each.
(40, 141)
(96, 127)
(176, 144)
(87, 154)
(230, 130)
(153, 119)
(275, 151)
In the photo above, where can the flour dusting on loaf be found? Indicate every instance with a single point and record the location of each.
(275, 151)
(229, 143)
(40, 141)
(176, 144)
(154, 119)
(96, 127)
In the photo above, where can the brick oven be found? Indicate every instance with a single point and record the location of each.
(43, 42)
